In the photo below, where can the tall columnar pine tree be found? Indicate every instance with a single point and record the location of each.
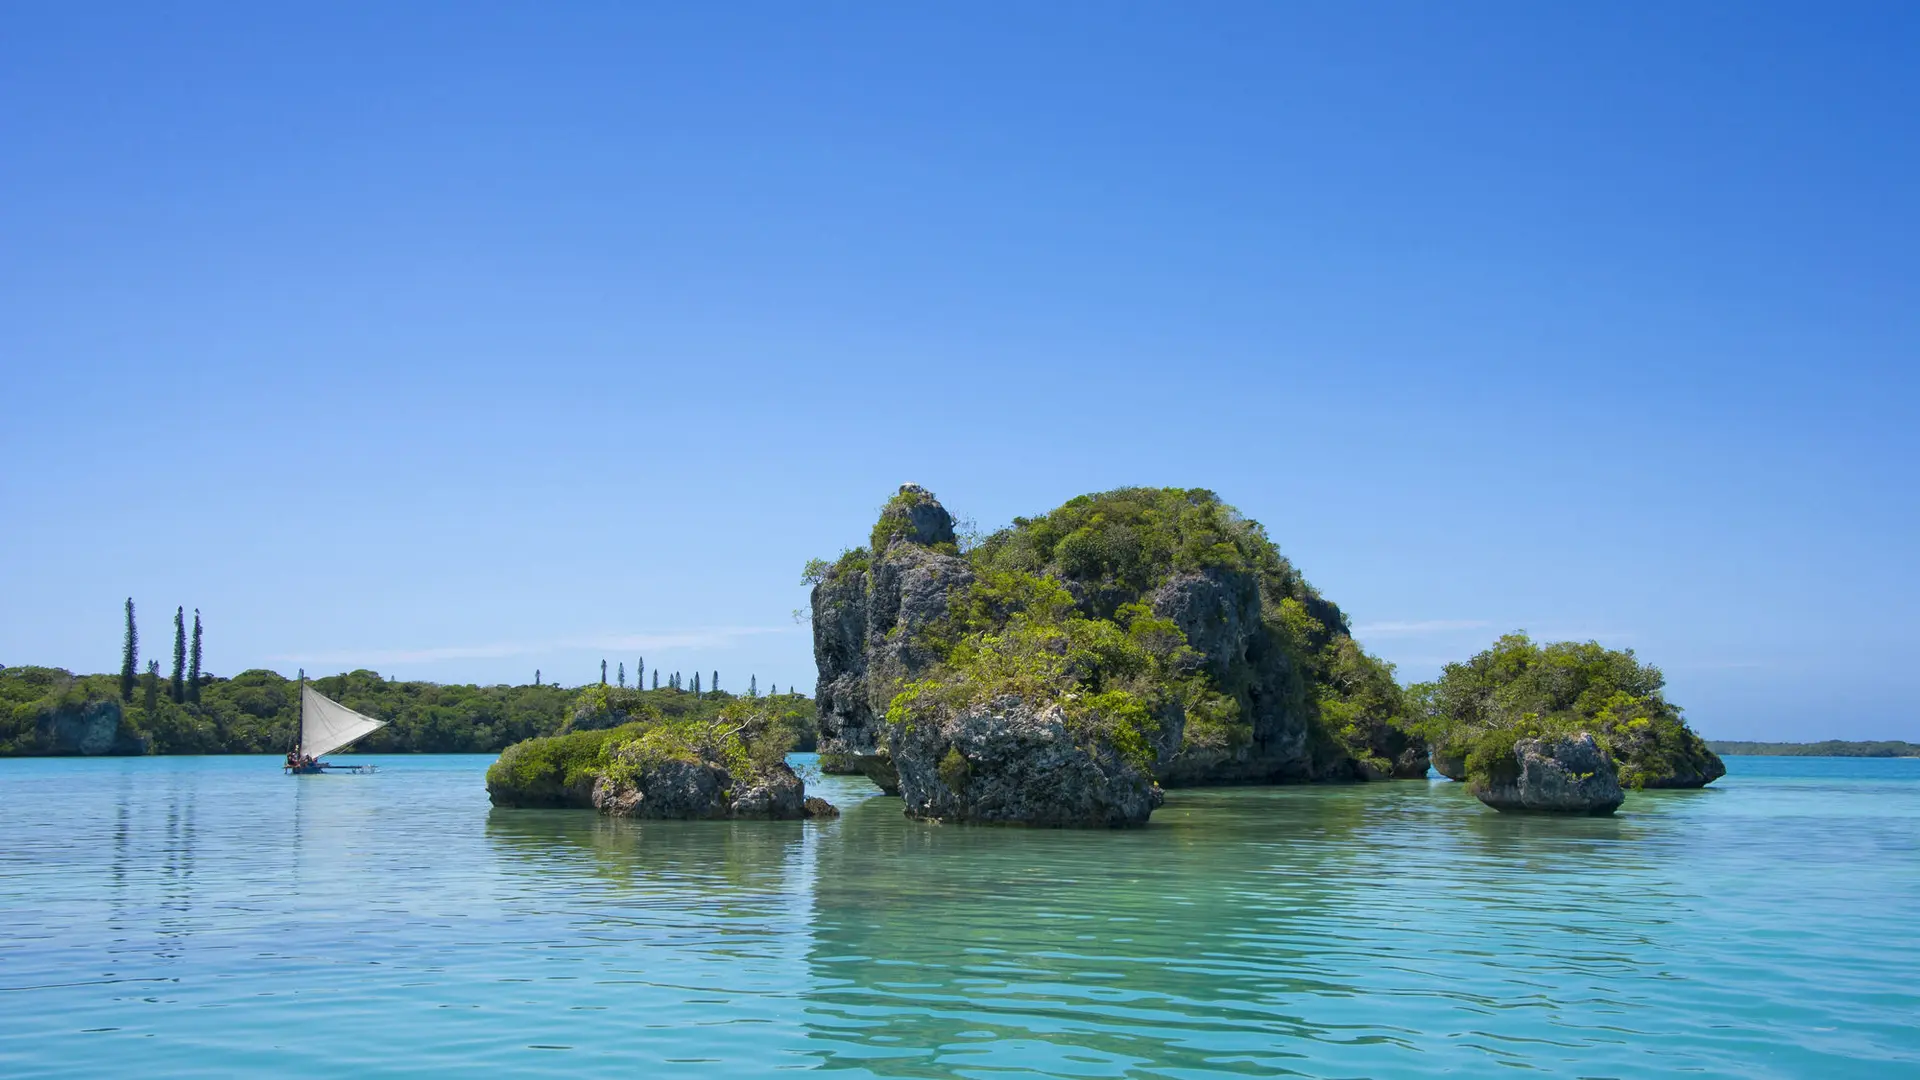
(151, 692)
(656, 678)
(753, 686)
(178, 691)
(623, 674)
(715, 684)
(129, 657)
(193, 662)
(536, 676)
(640, 675)
(603, 673)
(696, 684)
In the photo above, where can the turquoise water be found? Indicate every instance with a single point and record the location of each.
(195, 916)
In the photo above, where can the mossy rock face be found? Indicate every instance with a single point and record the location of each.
(693, 790)
(1556, 774)
(1004, 762)
(913, 516)
(1662, 753)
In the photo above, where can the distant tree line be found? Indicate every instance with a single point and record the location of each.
(256, 712)
(193, 712)
(1829, 748)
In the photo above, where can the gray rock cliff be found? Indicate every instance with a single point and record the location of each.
(686, 791)
(1005, 762)
(1561, 774)
(867, 615)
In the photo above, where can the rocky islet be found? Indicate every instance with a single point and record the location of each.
(1189, 652)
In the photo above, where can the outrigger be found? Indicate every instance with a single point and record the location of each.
(326, 726)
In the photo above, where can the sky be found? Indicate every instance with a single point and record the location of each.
(460, 341)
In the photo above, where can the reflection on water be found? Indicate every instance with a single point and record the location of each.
(181, 916)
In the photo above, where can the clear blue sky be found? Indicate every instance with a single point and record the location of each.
(456, 340)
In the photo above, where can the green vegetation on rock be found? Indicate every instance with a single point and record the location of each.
(1120, 554)
(1014, 633)
(556, 770)
(723, 762)
(1478, 710)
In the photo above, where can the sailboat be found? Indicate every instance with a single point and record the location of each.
(327, 726)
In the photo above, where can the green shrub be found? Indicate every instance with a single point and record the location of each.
(554, 771)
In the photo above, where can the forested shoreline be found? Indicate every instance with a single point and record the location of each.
(47, 711)
(256, 712)
(1889, 748)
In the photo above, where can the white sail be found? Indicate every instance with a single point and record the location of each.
(326, 725)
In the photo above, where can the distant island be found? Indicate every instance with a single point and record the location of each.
(1828, 748)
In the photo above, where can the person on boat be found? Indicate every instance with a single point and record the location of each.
(293, 760)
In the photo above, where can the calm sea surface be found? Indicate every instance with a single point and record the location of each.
(207, 916)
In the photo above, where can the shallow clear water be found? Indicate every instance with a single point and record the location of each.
(182, 916)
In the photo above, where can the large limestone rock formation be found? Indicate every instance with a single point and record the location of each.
(1276, 659)
(1561, 774)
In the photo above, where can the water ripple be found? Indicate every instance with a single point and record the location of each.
(181, 916)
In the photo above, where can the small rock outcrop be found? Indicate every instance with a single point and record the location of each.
(1557, 774)
(695, 790)
(1005, 762)
(1518, 684)
(728, 765)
